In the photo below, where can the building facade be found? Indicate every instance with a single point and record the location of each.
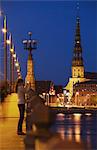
(84, 92)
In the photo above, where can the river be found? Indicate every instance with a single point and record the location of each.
(77, 129)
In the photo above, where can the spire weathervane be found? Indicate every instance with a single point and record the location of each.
(77, 8)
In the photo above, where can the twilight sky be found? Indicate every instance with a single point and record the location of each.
(53, 25)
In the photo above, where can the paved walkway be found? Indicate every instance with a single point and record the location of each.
(9, 140)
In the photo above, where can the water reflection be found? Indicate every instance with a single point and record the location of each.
(79, 128)
(77, 131)
(77, 117)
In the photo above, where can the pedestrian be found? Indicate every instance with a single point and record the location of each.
(20, 90)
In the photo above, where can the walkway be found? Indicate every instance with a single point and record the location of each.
(9, 140)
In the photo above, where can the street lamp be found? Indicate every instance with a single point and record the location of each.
(4, 30)
(11, 48)
(12, 55)
(11, 63)
(30, 45)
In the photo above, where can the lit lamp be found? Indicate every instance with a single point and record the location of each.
(8, 42)
(4, 30)
(17, 64)
(30, 45)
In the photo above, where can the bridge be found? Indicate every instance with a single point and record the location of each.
(71, 110)
(10, 69)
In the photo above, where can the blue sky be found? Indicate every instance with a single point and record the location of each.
(53, 24)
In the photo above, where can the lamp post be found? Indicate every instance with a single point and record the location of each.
(11, 48)
(30, 45)
(11, 63)
(4, 30)
(12, 68)
(11, 51)
(12, 54)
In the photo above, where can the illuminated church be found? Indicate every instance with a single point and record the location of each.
(78, 71)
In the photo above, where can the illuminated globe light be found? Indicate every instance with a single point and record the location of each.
(4, 30)
(14, 55)
(11, 50)
(77, 41)
(18, 69)
(8, 42)
(16, 64)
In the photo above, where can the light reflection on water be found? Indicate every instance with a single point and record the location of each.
(79, 128)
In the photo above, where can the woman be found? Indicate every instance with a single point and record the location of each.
(21, 104)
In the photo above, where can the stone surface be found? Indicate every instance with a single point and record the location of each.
(9, 140)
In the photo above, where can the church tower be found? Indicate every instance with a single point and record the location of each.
(77, 61)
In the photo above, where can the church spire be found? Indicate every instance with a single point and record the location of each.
(77, 53)
(77, 61)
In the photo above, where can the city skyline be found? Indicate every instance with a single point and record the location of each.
(53, 24)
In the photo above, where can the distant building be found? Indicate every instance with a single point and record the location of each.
(43, 88)
(83, 92)
(84, 88)
(49, 91)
